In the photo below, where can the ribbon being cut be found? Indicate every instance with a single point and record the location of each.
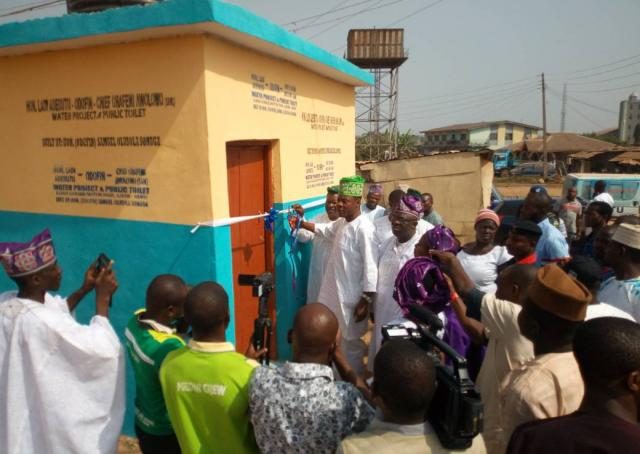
(269, 217)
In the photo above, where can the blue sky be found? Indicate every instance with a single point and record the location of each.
(474, 60)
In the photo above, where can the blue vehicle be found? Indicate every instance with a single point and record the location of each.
(503, 161)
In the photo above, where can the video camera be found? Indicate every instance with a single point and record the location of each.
(262, 285)
(456, 411)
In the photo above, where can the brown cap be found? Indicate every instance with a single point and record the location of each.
(556, 292)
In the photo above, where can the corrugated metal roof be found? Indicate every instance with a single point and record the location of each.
(477, 125)
(629, 158)
(586, 154)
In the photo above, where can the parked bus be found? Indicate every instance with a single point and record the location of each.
(624, 188)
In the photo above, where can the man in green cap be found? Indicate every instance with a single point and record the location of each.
(321, 245)
(349, 284)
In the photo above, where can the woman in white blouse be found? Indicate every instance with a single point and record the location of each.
(482, 257)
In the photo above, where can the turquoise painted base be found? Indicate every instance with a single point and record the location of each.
(142, 250)
(291, 274)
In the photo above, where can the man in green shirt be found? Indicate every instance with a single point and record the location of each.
(206, 383)
(149, 338)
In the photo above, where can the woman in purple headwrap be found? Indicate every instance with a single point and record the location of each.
(421, 281)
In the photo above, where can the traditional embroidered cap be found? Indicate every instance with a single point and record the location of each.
(409, 204)
(333, 189)
(556, 292)
(628, 234)
(352, 186)
(22, 259)
(443, 239)
(375, 189)
(486, 213)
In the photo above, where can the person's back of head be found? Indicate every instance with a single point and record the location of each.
(600, 186)
(395, 196)
(207, 311)
(404, 382)
(554, 307)
(536, 206)
(314, 335)
(607, 350)
(514, 281)
(165, 297)
(586, 270)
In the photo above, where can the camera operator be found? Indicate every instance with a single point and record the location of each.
(403, 387)
(299, 407)
(492, 318)
(63, 383)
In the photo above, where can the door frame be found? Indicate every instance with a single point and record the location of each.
(269, 236)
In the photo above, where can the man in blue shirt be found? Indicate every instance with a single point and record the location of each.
(552, 246)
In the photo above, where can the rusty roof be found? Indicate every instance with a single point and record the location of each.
(564, 142)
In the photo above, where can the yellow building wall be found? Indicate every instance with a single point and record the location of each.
(518, 134)
(310, 121)
(501, 132)
(95, 141)
(114, 131)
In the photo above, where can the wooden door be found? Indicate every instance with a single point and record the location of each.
(249, 184)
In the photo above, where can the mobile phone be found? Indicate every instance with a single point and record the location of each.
(102, 261)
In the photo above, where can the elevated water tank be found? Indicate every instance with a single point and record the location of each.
(376, 47)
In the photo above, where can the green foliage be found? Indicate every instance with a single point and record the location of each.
(379, 146)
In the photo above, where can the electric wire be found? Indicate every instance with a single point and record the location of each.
(35, 7)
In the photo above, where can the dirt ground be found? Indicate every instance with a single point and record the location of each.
(128, 445)
(510, 188)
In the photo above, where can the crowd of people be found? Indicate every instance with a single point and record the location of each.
(546, 318)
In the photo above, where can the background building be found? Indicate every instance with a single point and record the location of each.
(485, 134)
(629, 120)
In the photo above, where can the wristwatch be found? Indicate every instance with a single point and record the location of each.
(367, 298)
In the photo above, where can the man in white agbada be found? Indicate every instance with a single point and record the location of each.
(371, 208)
(382, 224)
(62, 384)
(394, 253)
(350, 280)
(321, 245)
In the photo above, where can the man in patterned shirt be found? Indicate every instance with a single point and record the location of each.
(299, 407)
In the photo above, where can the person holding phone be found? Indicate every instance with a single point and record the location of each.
(62, 385)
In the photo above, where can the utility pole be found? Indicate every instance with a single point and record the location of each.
(544, 130)
(563, 113)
